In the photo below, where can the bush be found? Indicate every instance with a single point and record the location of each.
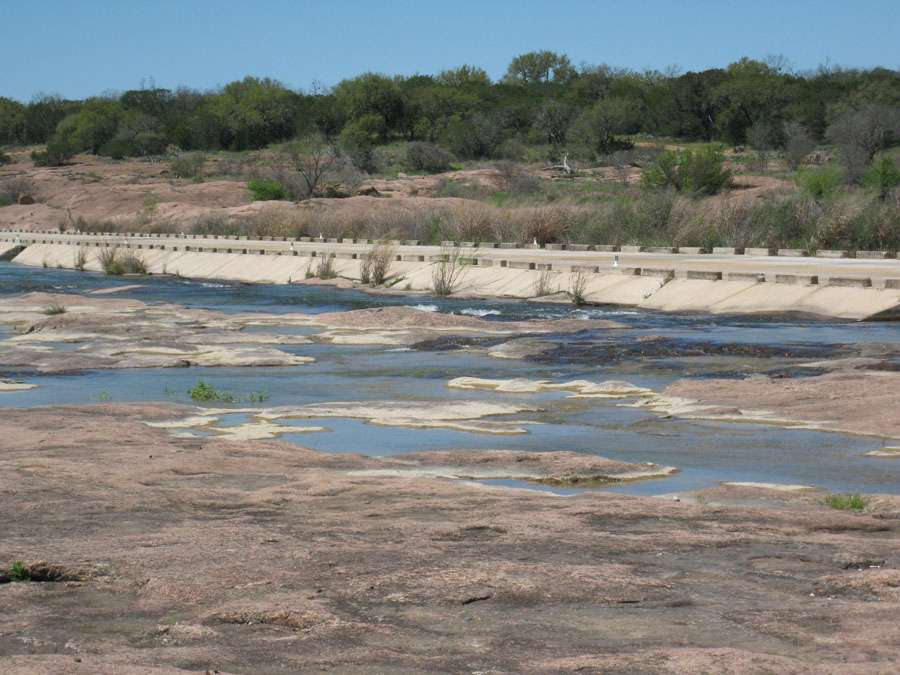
(700, 172)
(427, 157)
(375, 263)
(819, 182)
(14, 188)
(5, 159)
(188, 166)
(116, 264)
(204, 393)
(117, 148)
(57, 153)
(267, 190)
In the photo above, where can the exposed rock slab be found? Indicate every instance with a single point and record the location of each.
(863, 402)
(163, 554)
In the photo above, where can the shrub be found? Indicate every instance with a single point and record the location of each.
(579, 282)
(5, 159)
(449, 271)
(375, 263)
(267, 190)
(883, 175)
(188, 166)
(14, 188)
(116, 264)
(58, 153)
(325, 268)
(543, 285)
(700, 172)
(19, 572)
(117, 148)
(819, 182)
(204, 392)
(56, 308)
(427, 157)
(80, 258)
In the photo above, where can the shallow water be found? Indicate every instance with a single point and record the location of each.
(680, 346)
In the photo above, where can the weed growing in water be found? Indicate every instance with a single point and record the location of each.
(204, 392)
(102, 396)
(580, 280)
(543, 285)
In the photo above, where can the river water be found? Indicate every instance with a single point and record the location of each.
(653, 351)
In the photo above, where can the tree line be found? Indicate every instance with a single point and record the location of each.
(543, 99)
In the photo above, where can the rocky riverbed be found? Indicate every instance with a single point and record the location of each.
(149, 552)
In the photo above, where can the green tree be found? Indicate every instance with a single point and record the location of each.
(12, 122)
(540, 66)
(753, 91)
(92, 126)
(252, 113)
(600, 125)
(464, 76)
(375, 98)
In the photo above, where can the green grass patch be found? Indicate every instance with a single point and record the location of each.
(853, 502)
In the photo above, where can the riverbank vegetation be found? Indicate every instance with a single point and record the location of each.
(752, 154)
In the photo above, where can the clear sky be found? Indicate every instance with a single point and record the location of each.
(79, 48)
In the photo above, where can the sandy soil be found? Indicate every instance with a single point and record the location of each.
(152, 553)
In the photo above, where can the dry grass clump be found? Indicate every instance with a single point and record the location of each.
(375, 263)
(115, 262)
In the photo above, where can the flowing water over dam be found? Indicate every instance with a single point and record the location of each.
(652, 351)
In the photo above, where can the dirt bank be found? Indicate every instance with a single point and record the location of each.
(152, 553)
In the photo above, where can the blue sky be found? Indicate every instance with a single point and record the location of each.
(78, 48)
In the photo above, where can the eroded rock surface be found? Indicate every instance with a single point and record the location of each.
(201, 554)
(861, 401)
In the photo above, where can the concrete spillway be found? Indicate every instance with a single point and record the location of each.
(651, 288)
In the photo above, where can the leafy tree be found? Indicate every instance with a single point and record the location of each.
(374, 97)
(92, 126)
(12, 121)
(253, 113)
(608, 118)
(464, 76)
(357, 142)
(43, 115)
(540, 66)
(554, 119)
(753, 91)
